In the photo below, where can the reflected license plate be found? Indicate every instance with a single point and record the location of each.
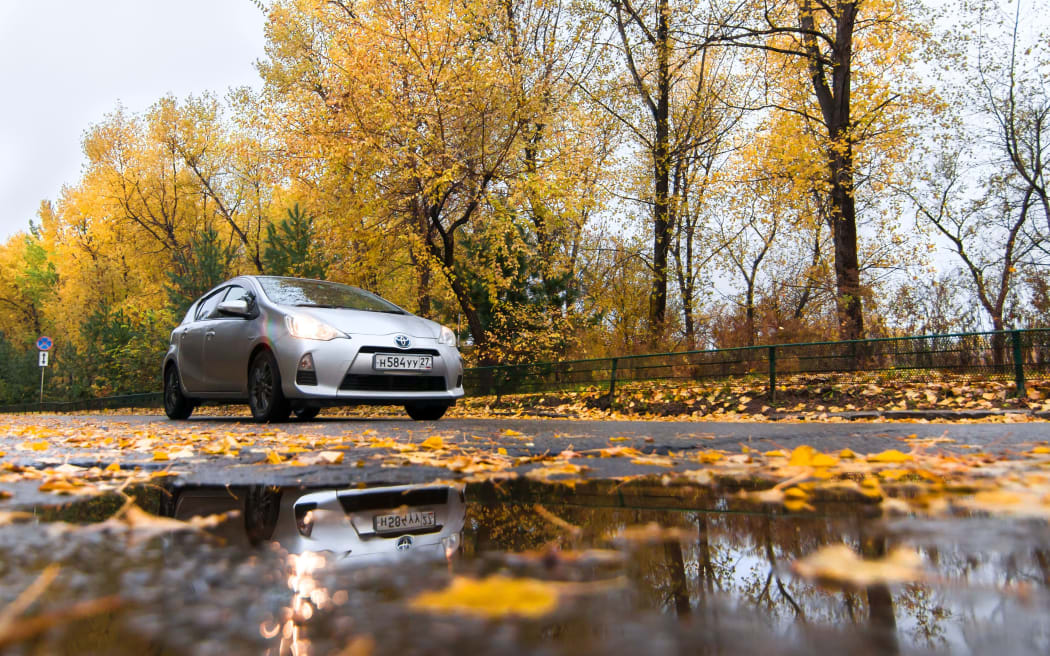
(407, 521)
(399, 362)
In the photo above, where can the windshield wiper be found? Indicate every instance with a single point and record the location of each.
(322, 305)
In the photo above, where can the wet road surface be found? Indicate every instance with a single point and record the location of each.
(639, 568)
(329, 560)
(518, 437)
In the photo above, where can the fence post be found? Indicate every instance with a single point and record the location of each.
(772, 374)
(612, 379)
(1018, 363)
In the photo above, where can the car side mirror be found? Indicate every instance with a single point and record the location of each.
(237, 308)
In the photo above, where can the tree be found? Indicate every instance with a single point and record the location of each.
(681, 83)
(983, 198)
(839, 66)
(434, 124)
(291, 249)
(206, 265)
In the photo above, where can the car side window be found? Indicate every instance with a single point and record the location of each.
(207, 306)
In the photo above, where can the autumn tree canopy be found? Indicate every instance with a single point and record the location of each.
(568, 178)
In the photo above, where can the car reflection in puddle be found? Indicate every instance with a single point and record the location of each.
(355, 526)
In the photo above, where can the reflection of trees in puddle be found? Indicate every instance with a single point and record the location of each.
(742, 554)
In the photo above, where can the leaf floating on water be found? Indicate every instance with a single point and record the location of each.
(653, 533)
(1015, 503)
(10, 517)
(892, 455)
(493, 597)
(838, 564)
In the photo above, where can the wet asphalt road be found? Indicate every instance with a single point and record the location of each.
(519, 437)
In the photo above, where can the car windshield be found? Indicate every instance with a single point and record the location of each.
(317, 293)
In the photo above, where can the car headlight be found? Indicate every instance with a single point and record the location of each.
(305, 327)
(448, 337)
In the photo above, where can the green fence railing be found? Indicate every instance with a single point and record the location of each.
(1010, 355)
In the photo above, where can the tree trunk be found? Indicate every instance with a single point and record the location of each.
(661, 176)
(419, 260)
(834, 100)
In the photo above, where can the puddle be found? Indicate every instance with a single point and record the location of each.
(636, 568)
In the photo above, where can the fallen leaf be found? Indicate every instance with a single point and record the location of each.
(892, 455)
(839, 564)
(492, 597)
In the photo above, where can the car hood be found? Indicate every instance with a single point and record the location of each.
(362, 322)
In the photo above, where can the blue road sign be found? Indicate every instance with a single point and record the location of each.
(44, 343)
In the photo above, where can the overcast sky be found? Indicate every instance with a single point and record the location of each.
(64, 64)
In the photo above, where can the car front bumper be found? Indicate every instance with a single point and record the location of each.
(343, 371)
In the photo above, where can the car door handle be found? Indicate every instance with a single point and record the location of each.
(210, 334)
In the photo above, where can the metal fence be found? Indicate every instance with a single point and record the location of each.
(145, 400)
(1006, 355)
(1015, 355)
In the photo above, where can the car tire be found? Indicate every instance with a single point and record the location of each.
(426, 412)
(262, 506)
(305, 414)
(265, 396)
(176, 405)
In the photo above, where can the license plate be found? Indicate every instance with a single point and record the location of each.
(397, 361)
(407, 521)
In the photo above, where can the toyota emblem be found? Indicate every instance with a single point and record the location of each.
(402, 341)
(404, 543)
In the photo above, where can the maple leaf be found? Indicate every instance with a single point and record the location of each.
(492, 597)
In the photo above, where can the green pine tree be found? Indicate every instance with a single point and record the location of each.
(290, 247)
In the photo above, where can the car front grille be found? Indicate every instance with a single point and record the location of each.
(399, 351)
(389, 383)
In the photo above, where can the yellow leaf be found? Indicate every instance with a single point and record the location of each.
(493, 597)
(59, 485)
(798, 505)
(501, 451)
(824, 460)
(1039, 450)
(846, 454)
(274, 458)
(802, 456)
(892, 455)
(775, 454)
(433, 442)
(621, 452)
(113, 467)
(511, 433)
(160, 456)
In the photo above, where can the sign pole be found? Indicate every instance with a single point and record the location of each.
(44, 344)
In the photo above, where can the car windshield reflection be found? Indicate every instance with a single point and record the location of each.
(321, 294)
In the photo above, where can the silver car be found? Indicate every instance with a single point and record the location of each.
(289, 345)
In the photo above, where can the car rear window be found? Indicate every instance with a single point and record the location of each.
(317, 293)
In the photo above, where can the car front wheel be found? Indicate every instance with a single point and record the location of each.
(265, 397)
(176, 405)
(426, 412)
